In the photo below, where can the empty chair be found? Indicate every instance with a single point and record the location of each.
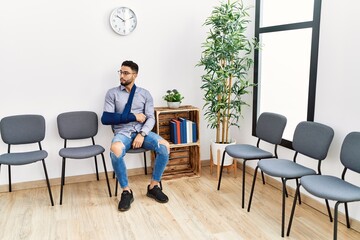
(75, 126)
(269, 128)
(334, 188)
(310, 139)
(19, 130)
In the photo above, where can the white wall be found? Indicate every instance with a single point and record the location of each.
(58, 56)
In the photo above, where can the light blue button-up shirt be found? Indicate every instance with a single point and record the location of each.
(115, 101)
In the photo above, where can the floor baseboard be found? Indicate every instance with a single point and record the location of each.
(69, 179)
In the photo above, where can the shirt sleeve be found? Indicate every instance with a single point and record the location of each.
(109, 105)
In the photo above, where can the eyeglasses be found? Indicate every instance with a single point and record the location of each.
(125, 73)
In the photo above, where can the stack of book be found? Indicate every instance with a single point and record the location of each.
(182, 131)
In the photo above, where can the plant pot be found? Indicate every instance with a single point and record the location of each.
(215, 147)
(173, 104)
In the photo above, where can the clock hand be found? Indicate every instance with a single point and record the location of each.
(129, 18)
(120, 18)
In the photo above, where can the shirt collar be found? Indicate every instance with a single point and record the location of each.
(122, 88)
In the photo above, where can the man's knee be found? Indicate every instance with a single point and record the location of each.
(117, 148)
(166, 144)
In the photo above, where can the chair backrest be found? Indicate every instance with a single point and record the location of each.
(350, 151)
(312, 139)
(270, 127)
(77, 125)
(22, 129)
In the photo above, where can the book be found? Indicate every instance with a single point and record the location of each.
(178, 130)
(189, 130)
(173, 132)
(194, 132)
(183, 130)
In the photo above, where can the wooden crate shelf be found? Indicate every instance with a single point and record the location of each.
(184, 159)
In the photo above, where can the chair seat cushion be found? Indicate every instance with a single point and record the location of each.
(81, 152)
(246, 151)
(23, 157)
(284, 168)
(136, 150)
(330, 187)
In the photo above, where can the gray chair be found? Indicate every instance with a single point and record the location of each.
(76, 126)
(269, 128)
(334, 188)
(310, 139)
(19, 130)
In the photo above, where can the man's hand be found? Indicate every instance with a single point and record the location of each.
(140, 117)
(138, 141)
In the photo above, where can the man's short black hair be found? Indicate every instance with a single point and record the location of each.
(131, 65)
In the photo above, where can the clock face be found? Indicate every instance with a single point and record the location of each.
(123, 20)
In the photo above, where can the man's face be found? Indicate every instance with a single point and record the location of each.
(127, 76)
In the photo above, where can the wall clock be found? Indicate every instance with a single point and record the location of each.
(123, 20)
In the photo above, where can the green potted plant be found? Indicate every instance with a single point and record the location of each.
(173, 98)
(227, 58)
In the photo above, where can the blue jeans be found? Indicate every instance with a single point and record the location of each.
(151, 142)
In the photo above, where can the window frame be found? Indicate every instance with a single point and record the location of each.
(315, 25)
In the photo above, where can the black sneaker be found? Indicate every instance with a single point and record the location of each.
(157, 194)
(126, 199)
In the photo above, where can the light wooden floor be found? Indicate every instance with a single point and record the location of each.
(196, 210)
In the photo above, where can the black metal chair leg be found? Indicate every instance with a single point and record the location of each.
(286, 194)
(221, 170)
(9, 173)
(62, 180)
(48, 183)
(145, 163)
(252, 189)
(263, 177)
(347, 215)
(336, 219)
(283, 209)
(297, 192)
(116, 186)
(96, 167)
(243, 185)
(297, 184)
(328, 209)
(106, 174)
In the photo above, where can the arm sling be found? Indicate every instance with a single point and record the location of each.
(109, 118)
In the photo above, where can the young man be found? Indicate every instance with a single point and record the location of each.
(130, 111)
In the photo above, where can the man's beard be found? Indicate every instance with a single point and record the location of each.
(125, 83)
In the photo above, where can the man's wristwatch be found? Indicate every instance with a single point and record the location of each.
(142, 133)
